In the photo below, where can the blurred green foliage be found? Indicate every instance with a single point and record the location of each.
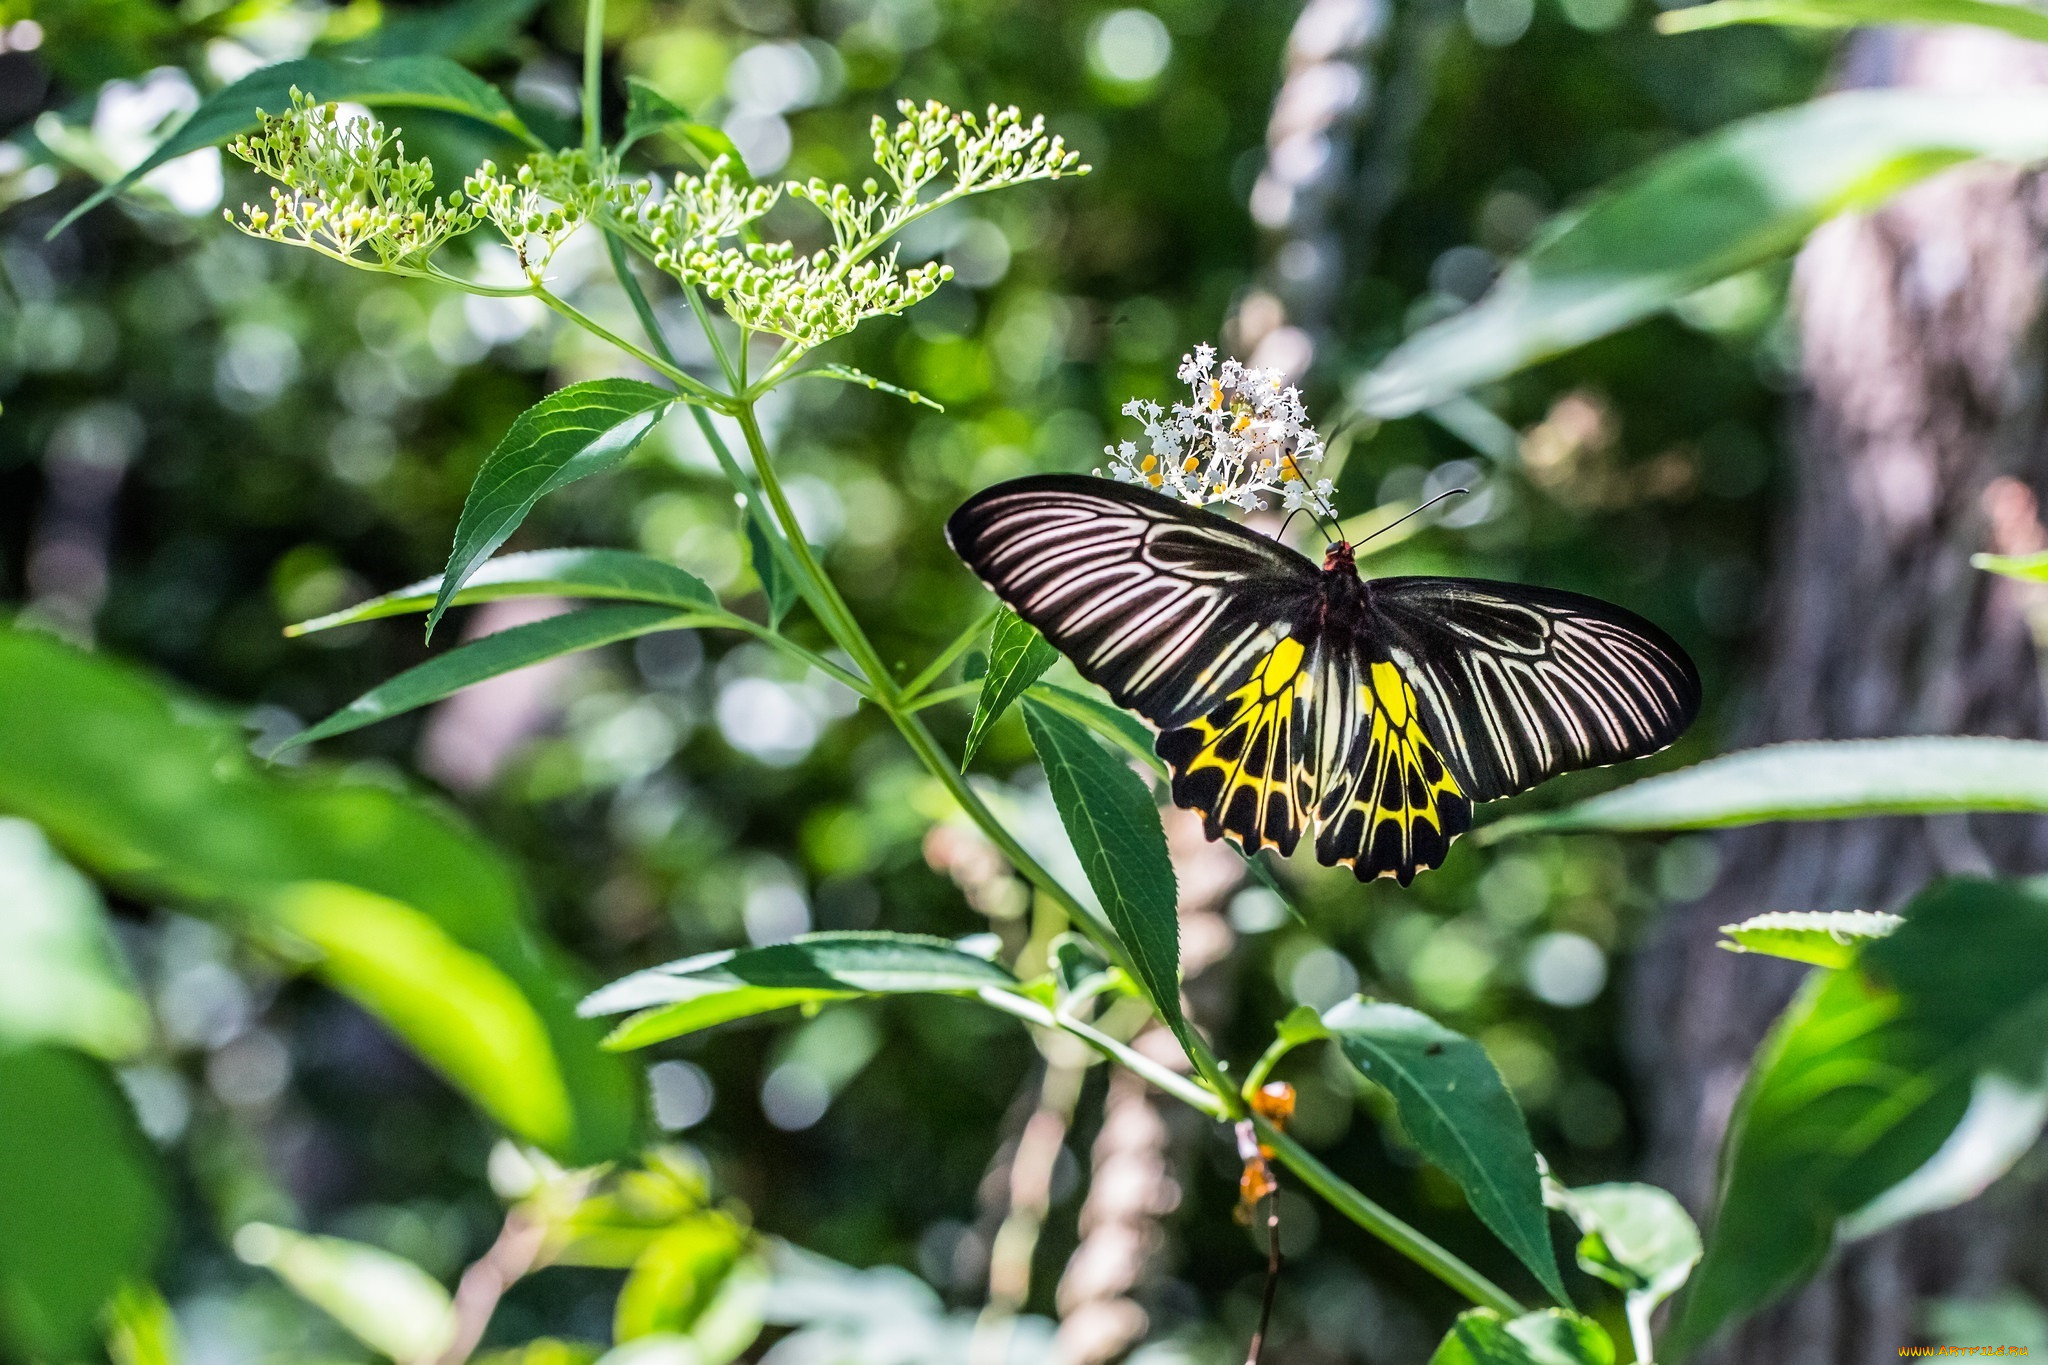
(206, 438)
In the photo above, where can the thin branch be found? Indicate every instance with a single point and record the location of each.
(1272, 1277)
(514, 1255)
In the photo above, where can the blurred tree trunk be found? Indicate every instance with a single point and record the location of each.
(1919, 436)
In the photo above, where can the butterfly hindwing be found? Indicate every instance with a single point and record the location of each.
(1523, 683)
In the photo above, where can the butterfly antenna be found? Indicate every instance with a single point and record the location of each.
(1452, 493)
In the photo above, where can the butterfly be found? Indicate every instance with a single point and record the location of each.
(1291, 698)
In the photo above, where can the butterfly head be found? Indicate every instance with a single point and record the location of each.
(1338, 559)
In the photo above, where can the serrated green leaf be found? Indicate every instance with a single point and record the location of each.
(61, 978)
(1459, 1114)
(2017, 20)
(1118, 727)
(83, 1212)
(1904, 1083)
(569, 435)
(777, 584)
(1114, 827)
(461, 1014)
(385, 1301)
(504, 652)
(616, 574)
(698, 992)
(1814, 780)
(419, 82)
(1825, 938)
(1552, 1336)
(1017, 656)
(1728, 202)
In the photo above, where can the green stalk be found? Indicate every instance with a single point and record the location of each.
(1346, 1199)
(945, 658)
(593, 71)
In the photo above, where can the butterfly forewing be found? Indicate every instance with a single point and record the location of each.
(1291, 698)
(1168, 610)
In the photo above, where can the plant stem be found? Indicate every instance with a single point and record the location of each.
(1171, 1083)
(945, 694)
(939, 665)
(1346, 1199)
(593, 70)
(694, 390)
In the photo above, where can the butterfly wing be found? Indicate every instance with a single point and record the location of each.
(1198, 625)
(1322, 735)
(1168, 608)
(1521, 683)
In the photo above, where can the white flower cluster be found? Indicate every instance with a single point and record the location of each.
(347, 188)
(1242, 434)
(811, 299)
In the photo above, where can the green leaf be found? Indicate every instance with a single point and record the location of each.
(1825, 938)
(1118, 727)
(2017, 20)
(157, 795)
(1460, 1115)
(504, 652)
(571, 434)
(1906, 1082)
(647, 111)
(1639, 1239)
(697, 992)
(2032, 568)
(846, 374)
(1735, 199)
(418, 82)
(619, 574)
(677, 1277)
(61, 978)
(1017, 656)
(467, 30)
(385, 1301)
(458, 1011)
(140, 1328)
(1815, 780)
(82, 1212)
(1114, 827)
(778, 585)
(1481, 1336)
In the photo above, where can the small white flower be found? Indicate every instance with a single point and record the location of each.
(1242, 433)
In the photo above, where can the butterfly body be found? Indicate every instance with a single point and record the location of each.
(1291, 698)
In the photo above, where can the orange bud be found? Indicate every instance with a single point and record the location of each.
(1274, 1103)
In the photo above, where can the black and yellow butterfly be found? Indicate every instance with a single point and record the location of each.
(1287, 697)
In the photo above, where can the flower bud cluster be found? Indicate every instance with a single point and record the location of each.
(537, 206)
(347, 188)
(694, 213)
(1242, 434)
(811, 299)
(808, 299)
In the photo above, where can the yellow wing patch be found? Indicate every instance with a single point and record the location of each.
(1243, 766)
(1397, 807)
(1382, 800)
